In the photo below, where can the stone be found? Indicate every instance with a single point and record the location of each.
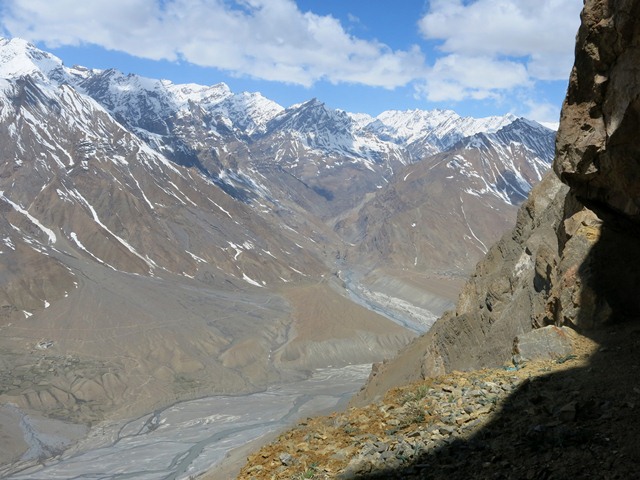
(388, 455)
(340, 455)
(446, 430)
(567, 412)
(381, 447)
(544, 343)
(286, 459)
(461, 420)
(355, 469)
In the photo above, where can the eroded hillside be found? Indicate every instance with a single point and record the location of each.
(572, 260)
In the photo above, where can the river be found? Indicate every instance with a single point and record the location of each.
(413, 318)
(191, 437)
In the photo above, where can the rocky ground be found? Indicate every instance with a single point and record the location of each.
(574, 416)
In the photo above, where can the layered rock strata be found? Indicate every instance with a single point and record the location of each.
(573, 257)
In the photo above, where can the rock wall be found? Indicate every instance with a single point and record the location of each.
(573, 257)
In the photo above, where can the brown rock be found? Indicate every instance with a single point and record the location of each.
(573, 258)
(549, 342)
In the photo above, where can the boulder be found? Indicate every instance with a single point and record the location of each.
(549, 342)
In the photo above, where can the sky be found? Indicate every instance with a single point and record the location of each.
(477, 57)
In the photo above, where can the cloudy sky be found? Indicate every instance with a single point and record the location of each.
(478, 57)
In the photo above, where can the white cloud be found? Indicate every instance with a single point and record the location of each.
(266, 39)
(456, 77)
(537, 35)
(547, 114)
(486, 50)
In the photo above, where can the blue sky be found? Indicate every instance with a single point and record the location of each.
(478, 57)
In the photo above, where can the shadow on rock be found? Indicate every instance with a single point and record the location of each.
(578, 423)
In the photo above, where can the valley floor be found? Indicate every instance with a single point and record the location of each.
(572, 417)
(187, 438)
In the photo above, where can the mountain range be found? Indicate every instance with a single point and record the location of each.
(163, 241)
(553, 306)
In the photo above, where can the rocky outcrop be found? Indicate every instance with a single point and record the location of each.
(573, 257)
(597, 146)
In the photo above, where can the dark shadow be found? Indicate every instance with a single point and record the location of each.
(582, 423)
(323, 192)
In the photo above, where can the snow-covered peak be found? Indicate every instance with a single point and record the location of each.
(410, 125)
(192, 92)
(361, 120)
(139, 101)
(413, 125)
(19, 57)
(416, 117)
(147, 103)
(471, 126)
(314, 102)
(535, 125)
(249, 111)
(121, 82)
(329, 132)
(313, 116)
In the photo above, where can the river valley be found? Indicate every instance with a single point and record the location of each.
(191, 437)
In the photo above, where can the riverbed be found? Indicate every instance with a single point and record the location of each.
(192, 437)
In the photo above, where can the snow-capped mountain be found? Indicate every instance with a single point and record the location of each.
(308, 158)
(237, 139)
(506, 163)
(151, 105)
(244, 142)
(452, 202)
(164, 237)
(429, 132)
(335, 133)
(317, 126)
(165, 115)
(19, 58)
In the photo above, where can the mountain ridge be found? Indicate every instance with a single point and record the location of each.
(561, 285)
(179, 241)
(100, 85)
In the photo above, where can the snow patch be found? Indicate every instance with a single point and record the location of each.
(75, 239)
(223, 210)
(47, 231)
(196, 257)
(525, 262)
(9, 243)
(250, 280)
(484, 247)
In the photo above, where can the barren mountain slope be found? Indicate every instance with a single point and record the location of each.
(437, 217)
(129, 282)
(572, 261)
(572, 258)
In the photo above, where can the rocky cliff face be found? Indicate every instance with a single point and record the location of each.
(573, 257)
